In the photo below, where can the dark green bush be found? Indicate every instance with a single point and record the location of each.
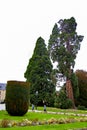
(17, 97)
(62, 101)
(82, 108)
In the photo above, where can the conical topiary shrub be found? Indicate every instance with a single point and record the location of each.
(17, 97)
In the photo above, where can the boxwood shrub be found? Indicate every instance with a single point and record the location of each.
(17, 97)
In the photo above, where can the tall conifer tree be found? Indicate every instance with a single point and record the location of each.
(38, 73)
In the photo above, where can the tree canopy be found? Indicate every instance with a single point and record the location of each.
(64, 44)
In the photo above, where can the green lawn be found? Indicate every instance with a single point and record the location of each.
(45, 117)
(35, 115)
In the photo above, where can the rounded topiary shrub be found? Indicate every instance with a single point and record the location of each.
(17, 97)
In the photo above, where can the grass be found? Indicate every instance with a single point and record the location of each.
(33, 115)
(45, 116)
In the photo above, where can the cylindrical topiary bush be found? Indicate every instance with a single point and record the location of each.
(17, 98)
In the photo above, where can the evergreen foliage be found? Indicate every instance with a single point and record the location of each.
(74, 81)
(17, 97)
(38, 73)
(64, 44)
(62, 101)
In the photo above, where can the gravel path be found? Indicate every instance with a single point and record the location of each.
(62, 113)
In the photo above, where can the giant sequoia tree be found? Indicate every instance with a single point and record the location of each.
(63, 46)
(38, 73)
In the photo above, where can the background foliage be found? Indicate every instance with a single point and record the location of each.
(82, 84)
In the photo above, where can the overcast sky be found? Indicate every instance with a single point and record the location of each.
(23, 21)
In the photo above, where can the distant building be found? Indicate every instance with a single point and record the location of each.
(2, 92)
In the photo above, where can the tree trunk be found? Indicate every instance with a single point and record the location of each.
(69, 92)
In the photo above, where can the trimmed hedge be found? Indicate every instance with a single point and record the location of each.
(17, 97)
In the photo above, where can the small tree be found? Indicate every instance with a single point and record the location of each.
(62, 101)
(63, 46)
(17, 97)
(38, 73)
